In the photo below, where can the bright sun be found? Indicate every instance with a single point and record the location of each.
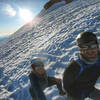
(25, 15)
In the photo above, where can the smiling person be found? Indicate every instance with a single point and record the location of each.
(82, 73)
(40, 80)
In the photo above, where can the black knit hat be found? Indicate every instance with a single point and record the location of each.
(85, 37)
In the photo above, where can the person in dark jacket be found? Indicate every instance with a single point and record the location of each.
(81, 73)
(40, 80)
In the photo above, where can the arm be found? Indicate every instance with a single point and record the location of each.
(53, 81)
(57, 82)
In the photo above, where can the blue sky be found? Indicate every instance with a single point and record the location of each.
(13, 12)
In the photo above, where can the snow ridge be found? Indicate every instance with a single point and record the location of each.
(51, 36)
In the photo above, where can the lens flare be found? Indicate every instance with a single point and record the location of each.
(25, 15)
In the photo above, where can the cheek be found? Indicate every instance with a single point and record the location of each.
(90, 52)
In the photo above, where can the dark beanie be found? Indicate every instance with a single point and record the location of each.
(85, 37)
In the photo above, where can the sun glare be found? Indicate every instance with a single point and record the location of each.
(25, 15)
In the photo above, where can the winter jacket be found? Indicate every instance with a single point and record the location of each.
(79, 78)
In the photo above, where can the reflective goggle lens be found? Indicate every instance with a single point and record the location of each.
(85, 47)
(37, 65)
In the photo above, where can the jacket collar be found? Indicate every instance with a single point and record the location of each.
(87, 61)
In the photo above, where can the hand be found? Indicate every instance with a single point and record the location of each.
(58, 80)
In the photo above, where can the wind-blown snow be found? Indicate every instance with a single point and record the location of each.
(50, 36)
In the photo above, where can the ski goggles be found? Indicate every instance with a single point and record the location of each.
(36, 66)
(86, 47)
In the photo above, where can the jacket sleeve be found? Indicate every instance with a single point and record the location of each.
(70, 74)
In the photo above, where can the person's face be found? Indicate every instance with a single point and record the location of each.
(39, 68)
(89, 50)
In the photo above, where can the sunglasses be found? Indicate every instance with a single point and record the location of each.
(37, 65)
(86, 47)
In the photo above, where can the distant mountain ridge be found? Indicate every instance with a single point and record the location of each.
(3, 38)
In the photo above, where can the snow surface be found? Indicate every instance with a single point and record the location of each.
(51, 36)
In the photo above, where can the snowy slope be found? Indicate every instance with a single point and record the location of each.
(50, 36)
